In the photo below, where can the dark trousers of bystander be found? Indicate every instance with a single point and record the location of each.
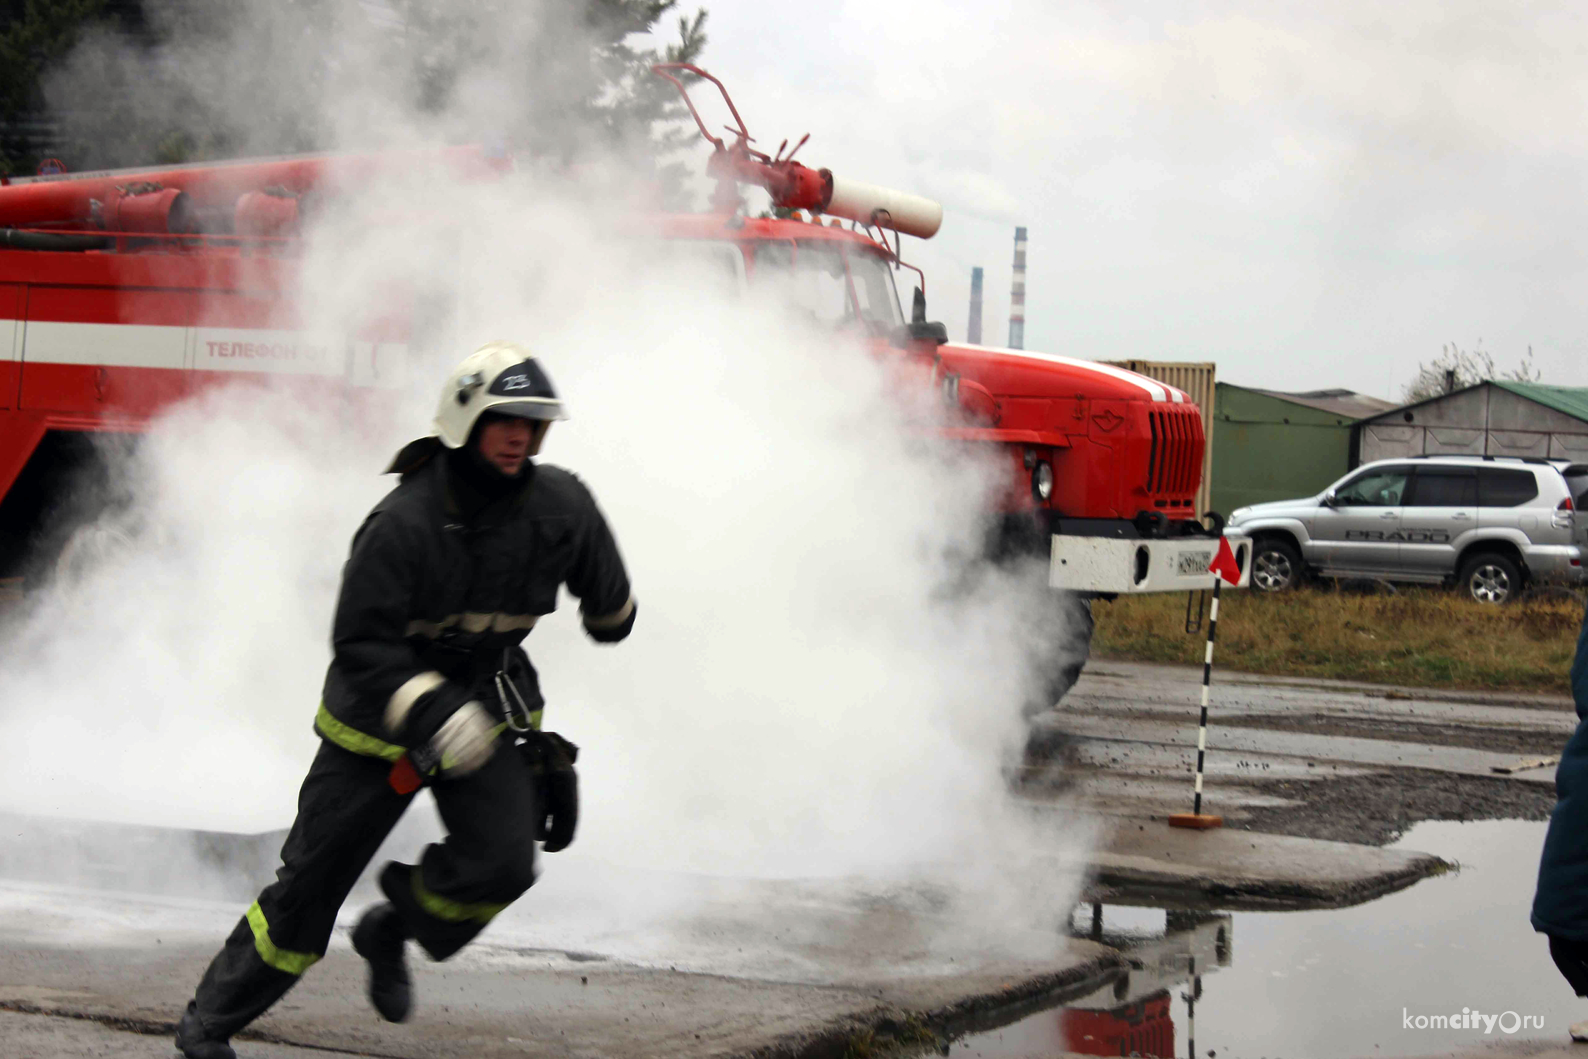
(1572, 958)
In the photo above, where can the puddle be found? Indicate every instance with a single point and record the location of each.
(1328, 985)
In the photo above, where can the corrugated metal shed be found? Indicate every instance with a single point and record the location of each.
(1274, 445)
(1493, 418)
(1197, 380)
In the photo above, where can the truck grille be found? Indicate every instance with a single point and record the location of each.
(1175, 462)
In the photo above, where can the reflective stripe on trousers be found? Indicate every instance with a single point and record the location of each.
(281, 959)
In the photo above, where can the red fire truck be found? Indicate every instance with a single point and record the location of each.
(125, 292)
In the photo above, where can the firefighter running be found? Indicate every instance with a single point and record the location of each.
(428, 683)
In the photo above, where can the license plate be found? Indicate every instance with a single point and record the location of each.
(1190, 564)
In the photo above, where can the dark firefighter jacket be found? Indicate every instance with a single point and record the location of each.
(1560, 907)
(431, 606)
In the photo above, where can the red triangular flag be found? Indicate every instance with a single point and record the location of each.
(1224, 564)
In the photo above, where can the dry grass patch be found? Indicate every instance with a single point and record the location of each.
(1419, 637)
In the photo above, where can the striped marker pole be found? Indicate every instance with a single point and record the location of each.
(1207, 682)
(1196, 819)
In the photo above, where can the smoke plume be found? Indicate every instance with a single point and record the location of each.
(814, 689)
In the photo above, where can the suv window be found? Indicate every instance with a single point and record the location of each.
(1497, 488)
(1382, 487)
(1445, 487)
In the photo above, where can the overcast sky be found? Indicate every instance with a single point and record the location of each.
(1310, 195)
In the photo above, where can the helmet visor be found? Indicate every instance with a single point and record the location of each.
(526, 408)
(523, 390)
(524, 379)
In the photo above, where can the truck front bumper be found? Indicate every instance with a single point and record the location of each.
(1129, 567)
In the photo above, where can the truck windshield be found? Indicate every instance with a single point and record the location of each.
(714, 262)
(879, 300)
(837, 285)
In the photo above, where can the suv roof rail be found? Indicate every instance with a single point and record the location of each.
(1553, 461)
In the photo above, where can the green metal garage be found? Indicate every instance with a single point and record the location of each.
(1274, 445)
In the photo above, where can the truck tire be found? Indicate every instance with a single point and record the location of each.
(1490, 578)
(1059, 665)
(1276, 565)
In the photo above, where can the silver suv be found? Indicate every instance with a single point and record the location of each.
(1489, 524)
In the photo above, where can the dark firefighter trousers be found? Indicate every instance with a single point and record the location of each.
(345, 810)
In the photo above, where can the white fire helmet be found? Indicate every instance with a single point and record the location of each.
(500, 377)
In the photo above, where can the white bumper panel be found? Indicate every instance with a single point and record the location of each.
(1124, 567)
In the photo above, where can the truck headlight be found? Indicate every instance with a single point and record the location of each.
(1042, 480)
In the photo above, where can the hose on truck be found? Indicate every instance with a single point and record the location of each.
(17, 239)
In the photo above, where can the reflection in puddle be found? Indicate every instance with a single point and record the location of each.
(1453, 956)
(1133, 1017)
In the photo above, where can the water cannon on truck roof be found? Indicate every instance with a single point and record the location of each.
(792, 185)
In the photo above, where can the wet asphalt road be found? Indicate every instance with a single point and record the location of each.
(1289, 758)
(1319, 759)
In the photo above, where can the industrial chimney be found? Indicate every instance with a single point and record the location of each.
(1017, 294)
(973, 329)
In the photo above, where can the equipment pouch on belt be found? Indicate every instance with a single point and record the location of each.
(551, 758)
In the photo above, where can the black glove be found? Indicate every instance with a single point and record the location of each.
(551, 758)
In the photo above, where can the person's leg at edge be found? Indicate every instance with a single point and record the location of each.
(1571, 957)
(345, 810)
(485, 863)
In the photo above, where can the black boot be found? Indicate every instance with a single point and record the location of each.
(195, 1043)
(379, 938)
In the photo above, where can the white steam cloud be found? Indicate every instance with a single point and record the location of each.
(810, 690)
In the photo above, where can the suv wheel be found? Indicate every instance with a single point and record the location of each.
(1276, 566)
(1490, 578)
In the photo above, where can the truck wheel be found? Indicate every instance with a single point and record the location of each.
(1060, 664)
(1490, 578)
(1276, 566)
